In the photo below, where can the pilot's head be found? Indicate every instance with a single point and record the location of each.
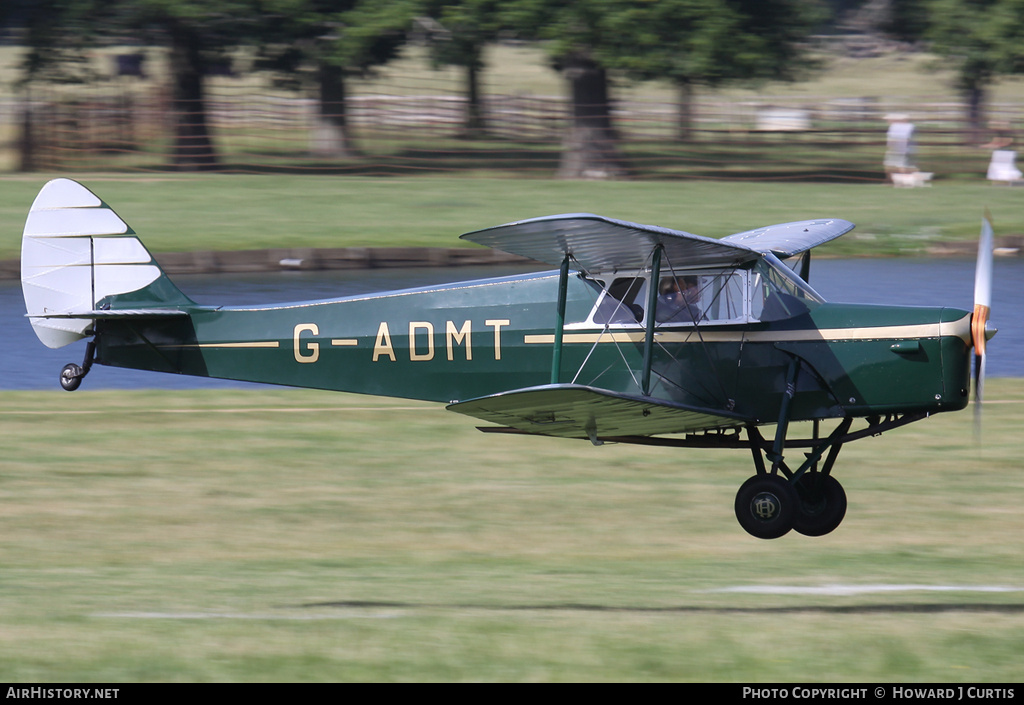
(687, 286)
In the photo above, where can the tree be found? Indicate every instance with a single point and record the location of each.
(684, 41)
(335, 39)
(980, 40)
(57, 35)
(458, 32)
(709, 43)
(688, 42)
(576, 34)
(339, 37)
(197, 33)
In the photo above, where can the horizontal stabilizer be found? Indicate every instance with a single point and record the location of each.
(577, 411)
(120, 313)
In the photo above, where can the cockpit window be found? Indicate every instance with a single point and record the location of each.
(776, 293)
(701, 297)
(679, 300)
(723, 295)
(622, 303)
(684, 298)
(767, 291)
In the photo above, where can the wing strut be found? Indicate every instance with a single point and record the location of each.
(556, 354)
(805, 266)
(652, 301)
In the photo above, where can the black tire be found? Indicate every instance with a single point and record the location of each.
(822, 505)
(71, 377)
(766, 505)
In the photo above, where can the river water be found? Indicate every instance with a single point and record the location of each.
(28, 365)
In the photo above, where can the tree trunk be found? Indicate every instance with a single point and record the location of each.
(26, 143)
(193, 148)
(330, 135)
(475, 125)
(684, 118)
(974, 99)
(590, 148)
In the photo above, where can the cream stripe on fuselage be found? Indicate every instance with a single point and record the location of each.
(960, 328)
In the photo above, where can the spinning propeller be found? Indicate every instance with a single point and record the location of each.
(982, 307)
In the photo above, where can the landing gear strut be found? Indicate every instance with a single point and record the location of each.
(71, 375)
(774, 501)
(816, 501)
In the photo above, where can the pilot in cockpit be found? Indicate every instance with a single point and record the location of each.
(677, 300)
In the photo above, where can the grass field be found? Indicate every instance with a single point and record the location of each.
(180, 213)
(291, 535)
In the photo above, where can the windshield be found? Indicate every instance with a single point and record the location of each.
(777, 293)
(767, 291)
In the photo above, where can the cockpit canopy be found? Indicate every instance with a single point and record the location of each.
(764, 290)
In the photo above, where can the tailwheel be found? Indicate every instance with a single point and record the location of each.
(822, 504)
(71, 377)
(766, 506)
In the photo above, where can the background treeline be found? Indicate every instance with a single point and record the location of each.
(251, 85)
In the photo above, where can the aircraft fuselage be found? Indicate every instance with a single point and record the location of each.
(462, 341)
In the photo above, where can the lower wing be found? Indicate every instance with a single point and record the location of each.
(577, 411)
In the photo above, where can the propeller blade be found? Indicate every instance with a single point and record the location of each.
(982, 308)
(982, 287)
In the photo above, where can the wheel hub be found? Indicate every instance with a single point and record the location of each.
(764, 506)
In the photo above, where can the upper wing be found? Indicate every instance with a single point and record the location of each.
(788, 239)
(603, 244)
(577, 411)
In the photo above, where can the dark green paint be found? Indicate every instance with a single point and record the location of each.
(836, 378)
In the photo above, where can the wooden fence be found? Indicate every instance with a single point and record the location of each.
(807, 139)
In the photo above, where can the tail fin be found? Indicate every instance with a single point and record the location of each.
(80, 262)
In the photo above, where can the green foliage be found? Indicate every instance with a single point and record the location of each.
(906, 20)
(691, 41)
(57, 34)
(984, 39)
(682, 40)
(463, 28)
(374, 30)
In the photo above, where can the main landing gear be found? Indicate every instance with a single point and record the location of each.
(768, 506)
(71, 375)
(808, 500)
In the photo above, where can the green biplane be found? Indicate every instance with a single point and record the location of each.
(642, 335)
